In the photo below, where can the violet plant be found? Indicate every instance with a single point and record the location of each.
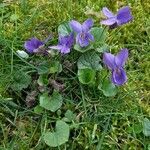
(86, 36)
(89, 44)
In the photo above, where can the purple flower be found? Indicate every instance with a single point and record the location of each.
(65, 43)
(83, 34)
(123, 16)
(33, 45)
(116, 64)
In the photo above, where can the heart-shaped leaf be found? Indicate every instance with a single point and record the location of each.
(89, 60)
(20, 81)
(108, 88)
(99, 34)
(64, 29)
(146, 127)
(51, 103)
(59, 137)
(86, 76)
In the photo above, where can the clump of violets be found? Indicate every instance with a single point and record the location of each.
(116, 65)
(83, 37)
(65, 43)
(123, 16)
(33, 45)
(83, 32)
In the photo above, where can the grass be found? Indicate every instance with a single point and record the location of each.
(102, 123)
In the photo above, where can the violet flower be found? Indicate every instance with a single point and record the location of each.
(65, 43)
(83, 34)
(123, 16)
(33, 45)
(116, 64)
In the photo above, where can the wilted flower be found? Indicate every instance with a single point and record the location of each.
(123, 16)
(83, 34)
(65, 43)
(116, 64)
(33, 45)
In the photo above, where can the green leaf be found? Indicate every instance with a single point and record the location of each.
(99, 34)
(64, 29)
(108, 88)
(43, 68)
(69, 115)
(21, 81)
(102, 48)
(42, 80)
(49, 67)
(59, 137)
(55, 66)
(82, 49)
(146, 127)
(51, 103)
(38, 109)
(135, 128)
(86, 76)
(89, 60)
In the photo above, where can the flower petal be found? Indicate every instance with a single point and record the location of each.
(119, 76)
(29, 47)
(76, 26)
(65, 50)
(107, 12)
(90, 36)
(70, 40)
(32, 44)
(37, 43)
(124, 15)
(62, 39)
(109, 22)
(87, 25)
(109, 60)
(121, 57)
(83, 42)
